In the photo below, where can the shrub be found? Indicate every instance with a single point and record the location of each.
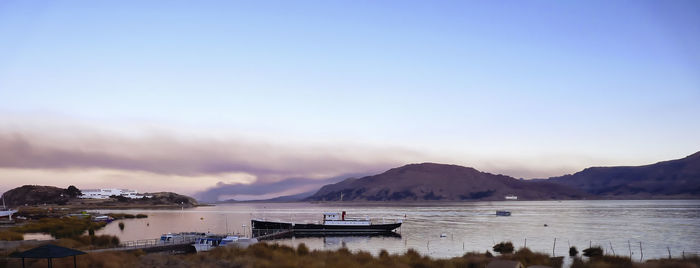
(573, 251)
(593, 252)
(121, 226)
(503, 247)
(302, 250)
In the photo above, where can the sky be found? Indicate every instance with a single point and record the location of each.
(256, 99)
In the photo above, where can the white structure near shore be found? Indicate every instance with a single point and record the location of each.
(106, 193)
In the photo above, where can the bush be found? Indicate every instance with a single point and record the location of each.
(593, 252)
(302, 250)
(121, 226)
(86, 240)
(503, 247)
(573, 251)
(141, 216)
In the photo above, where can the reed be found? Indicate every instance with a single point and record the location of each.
(11, 236)
(59, 227)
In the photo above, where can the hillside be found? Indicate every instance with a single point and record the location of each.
(669, 179)
(429, 181)
(37, 195)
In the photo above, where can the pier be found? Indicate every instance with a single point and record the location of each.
(153, 246)
(273, 234)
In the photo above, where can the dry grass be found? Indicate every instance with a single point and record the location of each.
(59, 227)
(263, 255)
(11, 236)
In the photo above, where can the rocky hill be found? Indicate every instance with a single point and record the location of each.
(669, 179)
(430, 181)
(35, 195)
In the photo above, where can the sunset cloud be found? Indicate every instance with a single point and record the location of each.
(155, 161)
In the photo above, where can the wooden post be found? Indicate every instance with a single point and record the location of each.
(669, 252)
(22, 262)
(630, 247)
(554, 246)
(75, 263)
(611, 247)
(641, 252)
(525, 243)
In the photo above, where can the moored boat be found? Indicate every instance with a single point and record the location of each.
(6, 212)
(333, 223)
(183, 237)
(502, 213)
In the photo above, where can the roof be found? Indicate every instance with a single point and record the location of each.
(48, 251)
(504, 264)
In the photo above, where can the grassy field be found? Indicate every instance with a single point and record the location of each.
(272, 255)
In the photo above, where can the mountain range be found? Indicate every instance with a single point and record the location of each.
(672, 179)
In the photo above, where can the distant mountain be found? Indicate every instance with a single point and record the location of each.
(284, 198)
(669, 179)
(430, 181)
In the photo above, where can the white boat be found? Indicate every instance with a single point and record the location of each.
(6, 211)
(177, 238)
(511, 197)
(236, 241)
(212, 241)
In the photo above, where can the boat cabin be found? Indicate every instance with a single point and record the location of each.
(334, 216)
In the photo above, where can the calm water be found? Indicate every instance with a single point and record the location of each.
(469, 226)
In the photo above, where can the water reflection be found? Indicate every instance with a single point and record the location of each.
(468, 226)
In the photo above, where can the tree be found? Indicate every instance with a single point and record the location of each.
(73, 191)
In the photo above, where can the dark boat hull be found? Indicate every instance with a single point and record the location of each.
(267, 227)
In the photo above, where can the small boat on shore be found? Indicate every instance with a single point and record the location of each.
(183, 237)
(6, 212)
(210, 242)
(502, 213)
(511, 197)
(102, 218)
(333, 223)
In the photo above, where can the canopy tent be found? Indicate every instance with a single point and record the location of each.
(49, 252)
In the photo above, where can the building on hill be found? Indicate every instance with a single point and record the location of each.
(106, 193)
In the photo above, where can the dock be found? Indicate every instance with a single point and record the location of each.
(274, 234)
(152, 246)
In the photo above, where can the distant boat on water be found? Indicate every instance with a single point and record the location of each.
(502, 213)
(511, 197)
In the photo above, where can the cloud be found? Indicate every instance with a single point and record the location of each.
(240, 165)
(224, 191)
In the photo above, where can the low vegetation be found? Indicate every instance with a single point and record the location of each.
(504, 248)
(118, 216)
(11, 236)
(59, 227)
(263, 255)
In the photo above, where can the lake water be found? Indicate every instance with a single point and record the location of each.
(469, 226)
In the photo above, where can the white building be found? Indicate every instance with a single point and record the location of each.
(106, 193)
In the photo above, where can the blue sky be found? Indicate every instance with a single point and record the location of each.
(524, 88)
